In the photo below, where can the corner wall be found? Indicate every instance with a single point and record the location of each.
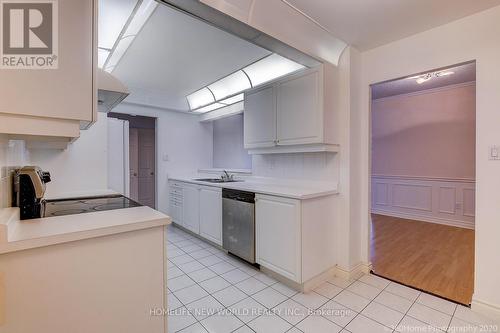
(184, 145)
(471, 38)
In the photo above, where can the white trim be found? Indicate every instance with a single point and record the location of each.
(487, 309)
(153, 106)
(429, 91)
(354, 273)
(424, 218)
(434, 200)
(426, 178)
(223, 112)
(309, 148)
(220, 170)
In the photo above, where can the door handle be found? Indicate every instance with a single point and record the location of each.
(135, 174)
(152, 173)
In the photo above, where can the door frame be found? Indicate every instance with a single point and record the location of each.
(368, 195)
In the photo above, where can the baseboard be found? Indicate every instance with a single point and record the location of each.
(318, 280)
(424, 218)
(486, 309)
(353, 273)
(305, 287)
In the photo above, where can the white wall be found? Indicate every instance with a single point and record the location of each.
(228, 144)
(471, 38)
(12, 154)
(187, 143)
(303, 166)
(79, 169)
(428, 134)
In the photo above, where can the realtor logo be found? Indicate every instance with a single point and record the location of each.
(28, 34)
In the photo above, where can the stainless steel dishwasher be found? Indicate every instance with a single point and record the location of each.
(238, 223)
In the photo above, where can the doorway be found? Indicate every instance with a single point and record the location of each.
(141, 157)
(423, 181)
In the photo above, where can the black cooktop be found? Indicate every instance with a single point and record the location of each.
(86, 205)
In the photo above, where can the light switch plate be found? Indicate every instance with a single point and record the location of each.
(494, 153)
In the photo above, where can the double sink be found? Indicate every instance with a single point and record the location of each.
(217, 180)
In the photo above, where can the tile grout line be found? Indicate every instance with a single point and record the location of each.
(239, 266)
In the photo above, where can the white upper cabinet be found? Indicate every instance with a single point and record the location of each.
(260, 118)
(289, 115)
(58, 101)
(299, 110)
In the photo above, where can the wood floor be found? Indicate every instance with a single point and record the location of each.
(428, 256)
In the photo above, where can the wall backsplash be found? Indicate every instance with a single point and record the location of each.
(12, 154)
(301, 166)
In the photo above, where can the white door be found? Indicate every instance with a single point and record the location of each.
(299, 110)
(278, 245)
(146, 167)
(191, 208)
(118, 156)
(211, 214)
(260, 118)
(134, 163)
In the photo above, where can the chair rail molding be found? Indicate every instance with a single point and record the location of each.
(448, 201)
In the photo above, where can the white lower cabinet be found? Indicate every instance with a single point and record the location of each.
(294, 238)
(176, 201)
(278, 235)
(211, 214)
(198, 209)
(191, 208)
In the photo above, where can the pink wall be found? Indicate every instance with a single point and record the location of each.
(430, 134)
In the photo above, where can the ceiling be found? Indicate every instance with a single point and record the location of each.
(370, 23)
(175, 54)
(462, 74)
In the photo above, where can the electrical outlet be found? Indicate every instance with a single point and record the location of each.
(494, 153)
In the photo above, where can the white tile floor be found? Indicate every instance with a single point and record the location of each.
(210, 291)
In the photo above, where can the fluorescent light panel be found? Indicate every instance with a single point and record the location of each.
(200, 98)
(270, 68)
(210, 107)
(113, 15)
(230, 85)
(232, 100)
(262, 71)
(130, 31)
(221, 104)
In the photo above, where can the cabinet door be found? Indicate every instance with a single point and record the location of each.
(211, 214)
(69, 91)
(300, 110)
(260, 118)
(278, 235)
(191, 208)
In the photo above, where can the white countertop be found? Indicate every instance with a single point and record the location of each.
(269, 186)
(16, 235)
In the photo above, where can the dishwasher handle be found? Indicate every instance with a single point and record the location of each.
(238, 195)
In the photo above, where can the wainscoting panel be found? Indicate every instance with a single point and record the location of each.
(437, 200)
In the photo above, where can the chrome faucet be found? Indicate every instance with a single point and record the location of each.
(226, 176)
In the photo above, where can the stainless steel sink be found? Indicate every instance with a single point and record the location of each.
(217, 180)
